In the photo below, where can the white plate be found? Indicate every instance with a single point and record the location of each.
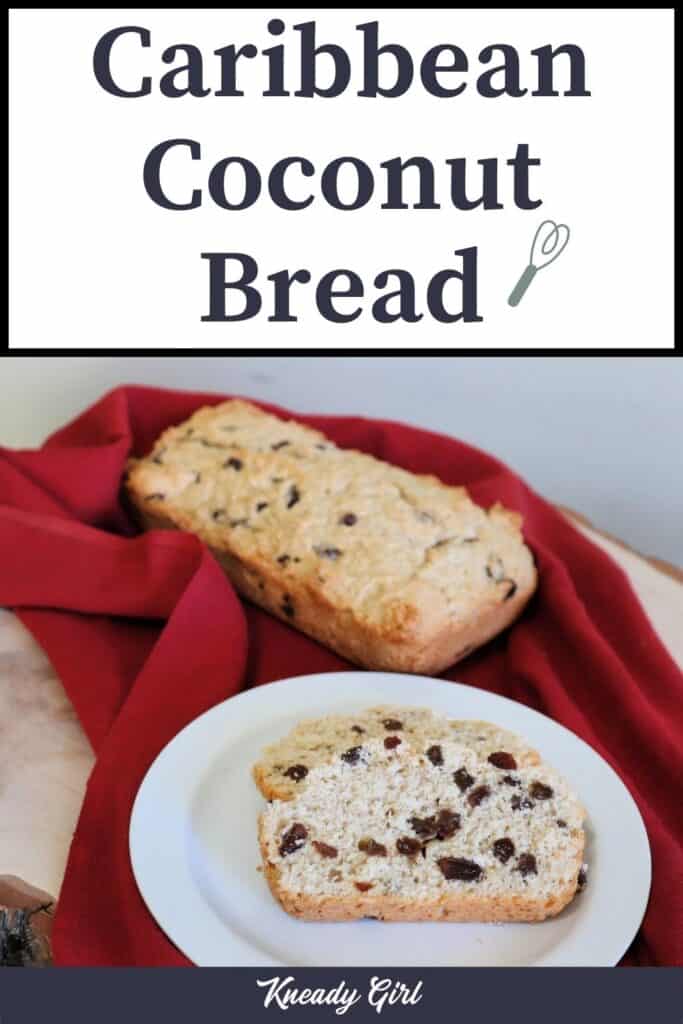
(195, 855)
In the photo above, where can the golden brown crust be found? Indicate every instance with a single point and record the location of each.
(406, 648)
(413, 635)
(265, 784)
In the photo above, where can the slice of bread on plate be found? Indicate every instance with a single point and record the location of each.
(283, 769)
(383, 830)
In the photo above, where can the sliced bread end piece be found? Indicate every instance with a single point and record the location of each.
(284, 767)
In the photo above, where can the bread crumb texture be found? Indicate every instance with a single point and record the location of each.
(390, 569)
(384, 831)
(283, 769)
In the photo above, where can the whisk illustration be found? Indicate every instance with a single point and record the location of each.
(543, 252)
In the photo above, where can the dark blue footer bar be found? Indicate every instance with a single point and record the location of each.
(440, 996)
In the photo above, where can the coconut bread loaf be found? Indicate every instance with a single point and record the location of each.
(283, 769)
(385, 832)
(391, 570)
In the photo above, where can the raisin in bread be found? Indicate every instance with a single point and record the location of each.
(383, 832)
(389, 569)
(284, 767)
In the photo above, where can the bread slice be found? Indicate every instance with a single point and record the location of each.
(391, 570)
(385, 833)
(283, 769)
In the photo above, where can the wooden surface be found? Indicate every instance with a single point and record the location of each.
(657, 563)
(45, 758)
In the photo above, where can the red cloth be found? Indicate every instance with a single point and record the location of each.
(125, 621)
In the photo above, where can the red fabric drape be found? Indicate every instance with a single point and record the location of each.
(146, 633)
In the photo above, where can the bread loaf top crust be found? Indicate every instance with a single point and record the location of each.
(405, 555)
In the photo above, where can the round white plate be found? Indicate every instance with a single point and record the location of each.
(195, 855)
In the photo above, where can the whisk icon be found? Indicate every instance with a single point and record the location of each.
(543, 252)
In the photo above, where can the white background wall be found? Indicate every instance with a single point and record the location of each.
(603, 436)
